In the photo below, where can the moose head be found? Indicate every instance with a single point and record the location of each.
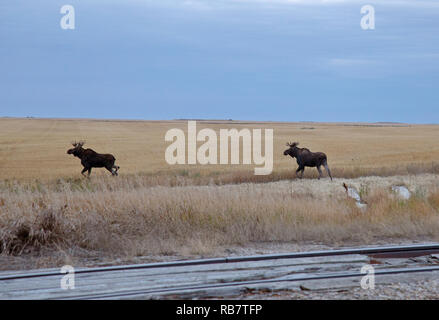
(292, 150)
(77, 148)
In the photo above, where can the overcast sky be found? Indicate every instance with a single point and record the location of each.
(289, 60)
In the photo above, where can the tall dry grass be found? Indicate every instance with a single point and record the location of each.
(130, 217)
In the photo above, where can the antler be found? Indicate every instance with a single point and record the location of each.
(78, 144)
(292, 144)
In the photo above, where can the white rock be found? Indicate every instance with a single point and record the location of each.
(354, 194)
(361, 205)
(402, 192)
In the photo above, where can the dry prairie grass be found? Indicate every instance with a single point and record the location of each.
(154, 208)
(139, 220)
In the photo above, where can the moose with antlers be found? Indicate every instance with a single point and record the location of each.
(91, 159)
(306, 158)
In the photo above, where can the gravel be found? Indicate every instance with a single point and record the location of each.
(419, 290)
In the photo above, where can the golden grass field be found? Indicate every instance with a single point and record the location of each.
(153, 208)
(36, 148)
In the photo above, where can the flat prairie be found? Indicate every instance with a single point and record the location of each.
(36, 148)
(48, 211)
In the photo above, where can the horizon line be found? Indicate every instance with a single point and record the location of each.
(218, 119)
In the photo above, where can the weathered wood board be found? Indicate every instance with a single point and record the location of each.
(201, 281)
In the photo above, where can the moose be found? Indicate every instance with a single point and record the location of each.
(306, 158)
(91, 159)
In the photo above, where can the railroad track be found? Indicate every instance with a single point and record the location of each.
(223, 276)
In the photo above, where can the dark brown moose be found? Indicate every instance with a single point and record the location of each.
(91, 159)
(306, 158)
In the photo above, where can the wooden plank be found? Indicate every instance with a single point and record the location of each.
(148, 280)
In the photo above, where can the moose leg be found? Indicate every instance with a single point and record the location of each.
(298, 170)
(110, 168)
(327, 170)
(85, 169)
(320, 171)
